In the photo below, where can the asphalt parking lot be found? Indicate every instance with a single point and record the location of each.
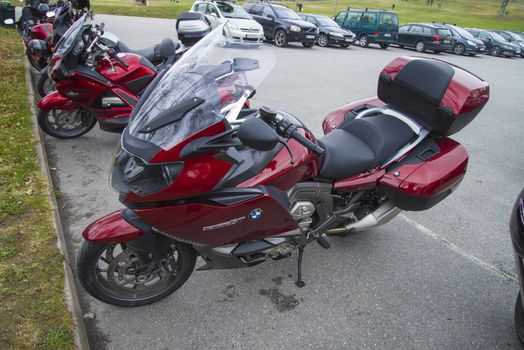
(438, 279)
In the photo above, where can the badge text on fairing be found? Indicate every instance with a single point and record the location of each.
(224, 224)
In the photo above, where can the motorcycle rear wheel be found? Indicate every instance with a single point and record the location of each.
(115, 274)
(65, 124)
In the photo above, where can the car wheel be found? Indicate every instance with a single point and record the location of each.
(495, 51)
(364, 40)
(384, 46)
(459, 49)
(323, 40)
(280, 38)
(420, 46)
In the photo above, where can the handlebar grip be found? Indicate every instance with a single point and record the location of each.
(306, 143)
(114, 54)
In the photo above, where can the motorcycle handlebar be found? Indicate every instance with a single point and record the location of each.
(289, 130)
(313, 147)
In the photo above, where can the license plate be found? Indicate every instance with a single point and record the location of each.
(447, 41)
(310, 37)
(387, 35)
(252, 36)
(349, 40)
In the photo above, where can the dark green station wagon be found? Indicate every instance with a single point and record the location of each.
(370, 26)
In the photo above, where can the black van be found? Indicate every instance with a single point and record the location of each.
(370, 26)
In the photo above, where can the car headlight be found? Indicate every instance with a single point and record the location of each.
(294, 28)
(471, 43)
(336, 34)
(233, 26)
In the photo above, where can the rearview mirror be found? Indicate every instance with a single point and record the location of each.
(256, 134)
(9, 22)
(213, 14)
(270, 16)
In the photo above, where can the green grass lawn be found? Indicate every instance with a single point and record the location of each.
(33, 314)
(465, 13)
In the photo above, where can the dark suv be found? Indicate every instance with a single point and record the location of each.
(495, 44)
(282, 25)
(370, 26)
(464, 42)
(425, 36)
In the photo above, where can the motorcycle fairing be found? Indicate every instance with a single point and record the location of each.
(112, 228)
(211, 223)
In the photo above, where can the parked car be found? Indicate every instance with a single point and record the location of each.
(512, 38)
(464, 42)
(282, 25)
(330, 32)
(370, 26)
(425, 36)
(520, 34)
(495, 44)
(242, 25)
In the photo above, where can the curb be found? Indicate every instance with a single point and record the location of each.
(73, 303)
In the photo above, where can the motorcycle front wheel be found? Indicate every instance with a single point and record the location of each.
(117, 275)
(44, 84)
(65, 124)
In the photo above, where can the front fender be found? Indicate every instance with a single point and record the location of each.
(112, 228)
(56, 101)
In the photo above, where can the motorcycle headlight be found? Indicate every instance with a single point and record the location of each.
(131, 174)
(471, 43)
(336, 34)
(294, 28)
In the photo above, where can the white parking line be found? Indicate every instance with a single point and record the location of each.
(479, 262)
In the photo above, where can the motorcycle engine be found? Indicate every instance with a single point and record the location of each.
(302, 212)
(311, 203)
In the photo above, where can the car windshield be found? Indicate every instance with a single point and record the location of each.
(284, 12)
(70, 36)
(326, 22)
(463, 33)
(496, 36)
(233, 11)
(210, 83)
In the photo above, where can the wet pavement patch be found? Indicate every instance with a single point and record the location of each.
(282, 301)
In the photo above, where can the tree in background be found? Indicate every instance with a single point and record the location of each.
(503, 7)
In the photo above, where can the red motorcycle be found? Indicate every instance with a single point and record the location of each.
(200, 178)
(94, 83)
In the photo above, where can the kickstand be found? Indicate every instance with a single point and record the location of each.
(299, 283)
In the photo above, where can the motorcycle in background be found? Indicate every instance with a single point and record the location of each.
(199, 176)
(94, 82)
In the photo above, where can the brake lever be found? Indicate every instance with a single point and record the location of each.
(284, 142)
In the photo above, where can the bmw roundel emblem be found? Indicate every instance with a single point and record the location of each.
(256, 214)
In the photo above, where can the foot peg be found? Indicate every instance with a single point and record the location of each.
(323, 242)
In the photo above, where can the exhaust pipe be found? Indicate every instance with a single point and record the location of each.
(380, 216)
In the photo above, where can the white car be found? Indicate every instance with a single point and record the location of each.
(241, 24)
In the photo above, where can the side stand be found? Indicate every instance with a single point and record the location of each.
(299, 283)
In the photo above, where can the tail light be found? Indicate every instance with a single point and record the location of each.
(436, 37)
(375, 34)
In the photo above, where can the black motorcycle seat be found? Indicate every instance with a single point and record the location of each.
(151, 53)
(154, 54)
(362, 144)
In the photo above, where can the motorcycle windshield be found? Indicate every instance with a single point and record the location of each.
(70, 36)
(211, 82)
